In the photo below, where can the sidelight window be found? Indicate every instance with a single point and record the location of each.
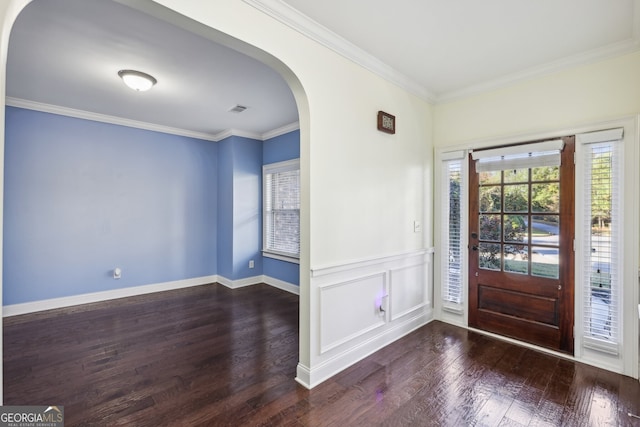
(452, 204)
(602, 228)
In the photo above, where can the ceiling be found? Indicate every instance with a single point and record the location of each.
(67, 53)
(452, 48)
(437, 49)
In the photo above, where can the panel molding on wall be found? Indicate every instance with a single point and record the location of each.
(363, 306)
(405, 298)
(349, 309)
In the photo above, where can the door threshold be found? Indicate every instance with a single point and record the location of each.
(526, 344)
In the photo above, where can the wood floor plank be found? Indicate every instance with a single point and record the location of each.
(213, 356)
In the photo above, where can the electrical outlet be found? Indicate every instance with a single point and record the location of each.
(251, 264)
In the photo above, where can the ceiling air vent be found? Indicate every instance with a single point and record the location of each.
(237, 109)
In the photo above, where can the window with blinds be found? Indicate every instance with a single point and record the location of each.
(281, 213)
(602, 278)
(452, 259)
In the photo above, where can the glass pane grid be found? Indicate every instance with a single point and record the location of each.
(516, 213)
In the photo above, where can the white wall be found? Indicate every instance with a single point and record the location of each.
(581, 95)
(361, 179)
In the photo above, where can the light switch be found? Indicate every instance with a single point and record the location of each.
(417, 226)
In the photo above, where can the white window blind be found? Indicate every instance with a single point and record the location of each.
(452, 232)
(602, 271)
(546, 153)
(281, 214)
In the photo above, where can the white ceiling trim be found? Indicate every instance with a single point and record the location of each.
(303, 24)
(616, 49)
(310, 28)
(280, 131)
(104, 118)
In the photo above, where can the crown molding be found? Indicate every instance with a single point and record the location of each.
(306, 26)
(613, 50)
(104, 118)
(280, 131)
(236, 132)
(291, 17)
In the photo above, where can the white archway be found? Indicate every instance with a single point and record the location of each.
(9, 12)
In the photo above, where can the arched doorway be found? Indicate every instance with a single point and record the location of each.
(13, 9)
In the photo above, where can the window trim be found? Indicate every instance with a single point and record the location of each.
(284, 166)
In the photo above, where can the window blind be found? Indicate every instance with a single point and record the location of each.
(602, 271)
(526, 156)
(452, 232)
(281, 214)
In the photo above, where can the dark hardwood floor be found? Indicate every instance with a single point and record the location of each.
(213, 356)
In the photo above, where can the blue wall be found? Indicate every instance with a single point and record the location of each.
(240, 207)
(83, 197)
(279, 149)
(225, 208)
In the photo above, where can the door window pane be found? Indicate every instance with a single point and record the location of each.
(490, 199)
(515, 229)
(516, 259)
(545, 173)
(490, 228)
(544, 262)
(516, 198)
(545, 229)
(545, 197)
(516, 175)
(493, 177)
(489, 256)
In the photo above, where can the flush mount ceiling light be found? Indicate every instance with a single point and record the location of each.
(238, 108)
(137, 80)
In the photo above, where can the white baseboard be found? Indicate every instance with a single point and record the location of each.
(271, 281)
(303, 375)
(281, 284)
(240, 283)
(310, 378)
(49, 304)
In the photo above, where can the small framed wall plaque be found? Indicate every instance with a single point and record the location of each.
(386, 122)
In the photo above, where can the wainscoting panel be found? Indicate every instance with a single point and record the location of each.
(405, 296)
(350, 309)
(361, 307)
